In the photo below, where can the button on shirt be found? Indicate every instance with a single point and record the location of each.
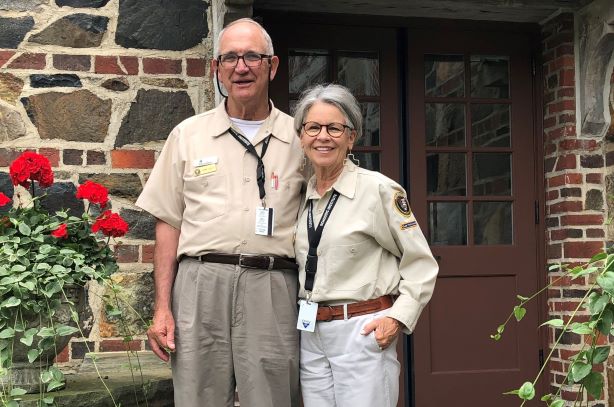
(371, 246)
(204, 184)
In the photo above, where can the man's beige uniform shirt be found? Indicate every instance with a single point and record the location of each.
(204, 184)
(369, 247)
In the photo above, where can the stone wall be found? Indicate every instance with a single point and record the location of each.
(575, 170)
(96, 86)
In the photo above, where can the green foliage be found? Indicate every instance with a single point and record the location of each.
(599, 304)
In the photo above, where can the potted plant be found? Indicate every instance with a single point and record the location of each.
(46, 261)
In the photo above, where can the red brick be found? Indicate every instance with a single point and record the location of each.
(552, 195)
(566, 162)
(52, 154)
(111, 65)
(564, 49)
(5, 56)
(196, 67)
(575, 144)
(127, 253)
(595, 233)
(582, 250)
(549, 148)
(96, 158)
(113, 345)
(549, 122)
(7, 156)
(565, 93)
(72, 156)
(567, 118)
(561, 306)
(567, 354)
(564, 179)
(567, 77)
(132, 158)
(563, 281)
(28, 61)
(565, 61)
(161, 66)
(72, 62)
(565, 206)
(554, 251)
(561, 106)
(62, 357)
(563, 131)
(591, 220)
(148, 253)
(594, 178)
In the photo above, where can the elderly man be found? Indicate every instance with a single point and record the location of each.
(225, 192)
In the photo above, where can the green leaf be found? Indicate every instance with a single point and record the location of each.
(65, 330)
(579, 371)
(546, 397)
(10, 302)
(553, 267)
(46, 332)
(597, 302)
(557, 403)
(46, 377)
(18, 392)
(44, 249)
(24, 229)
(598, 257)
(605, 322)
(54, 385)
(11, 403)
(583, 271)
(581, 328)
(557, 323)
(7, 333)
(27, 340)
(18, 268)
(519, 312)
(606, 281)
(526, 391)
(56, 373)
(48, 400)
(600, 354)
(593, 384)
(521, 298)
(32, 355)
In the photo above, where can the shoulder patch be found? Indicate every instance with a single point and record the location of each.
(401, 204)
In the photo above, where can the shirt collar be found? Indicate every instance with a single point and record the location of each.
(273, 126)
(345, 184)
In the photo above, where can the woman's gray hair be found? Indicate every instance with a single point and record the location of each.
(333, 94)
(267, 38)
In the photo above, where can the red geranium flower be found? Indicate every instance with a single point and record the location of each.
(60, 232)
(4, 199)
(110, 224)
(30, 166)
(94, 193)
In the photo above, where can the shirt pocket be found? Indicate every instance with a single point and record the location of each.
(206, 197)
(349, 268)
(285, 200)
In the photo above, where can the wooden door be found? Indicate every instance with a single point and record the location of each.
(473, 188)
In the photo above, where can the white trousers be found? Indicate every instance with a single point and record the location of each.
(339, 367)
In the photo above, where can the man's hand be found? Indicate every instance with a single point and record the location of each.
(161, 334)
(386, 330)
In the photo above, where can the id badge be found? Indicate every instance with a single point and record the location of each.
(307, 316)
(265, 221)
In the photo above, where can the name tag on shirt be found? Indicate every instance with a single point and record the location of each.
(265, 221)
(205, 169)
(307, 313)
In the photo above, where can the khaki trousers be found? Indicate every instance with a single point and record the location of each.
(234, 327)
(342, 368)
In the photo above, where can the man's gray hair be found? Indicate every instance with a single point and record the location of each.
(267, 38)
(333, 94)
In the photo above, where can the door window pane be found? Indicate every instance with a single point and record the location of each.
(445, 124)
(492, 223)
(370, 161)
(490, 77)
(370, 125)
(360, 73)
(444, 75)
(492, 174)
(448, 223)
(490, 125)
(307, 67)
(446, 174)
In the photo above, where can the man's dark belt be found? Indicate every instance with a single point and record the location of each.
(250, 261)
(332, 312)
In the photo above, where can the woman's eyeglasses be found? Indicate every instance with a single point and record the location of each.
(335, 130)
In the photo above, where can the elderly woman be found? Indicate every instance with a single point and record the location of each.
(365, 268)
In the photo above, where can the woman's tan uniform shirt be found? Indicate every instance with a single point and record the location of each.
(204, 184)
(369, 246)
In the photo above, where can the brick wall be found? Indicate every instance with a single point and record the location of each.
(574, 185)
(96, 88)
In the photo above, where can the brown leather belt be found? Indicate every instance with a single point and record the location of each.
(332, 312)
(250, 261)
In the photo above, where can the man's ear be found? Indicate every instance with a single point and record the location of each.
(213, 68)
(274, 66)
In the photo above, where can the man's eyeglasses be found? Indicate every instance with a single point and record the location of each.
(251, 59)
(335, 130)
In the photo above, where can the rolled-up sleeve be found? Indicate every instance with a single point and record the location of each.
(162, 195)
(398, 232)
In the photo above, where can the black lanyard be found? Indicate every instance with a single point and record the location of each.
(260, 174)
(314, 235)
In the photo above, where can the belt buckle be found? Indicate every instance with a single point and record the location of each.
(247, 256)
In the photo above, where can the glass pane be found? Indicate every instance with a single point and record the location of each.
(492, 222)
(360, 73)
(445, 124)
(369, 161)
(448, 223)
(490, 77)
(446, 174)
(444, 75)
(307, 67)
(492, 174)
(490, 125)
(370, 125)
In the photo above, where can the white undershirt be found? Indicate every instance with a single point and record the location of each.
(249, 128)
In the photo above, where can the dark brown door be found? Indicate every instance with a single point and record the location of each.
(473, 188)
